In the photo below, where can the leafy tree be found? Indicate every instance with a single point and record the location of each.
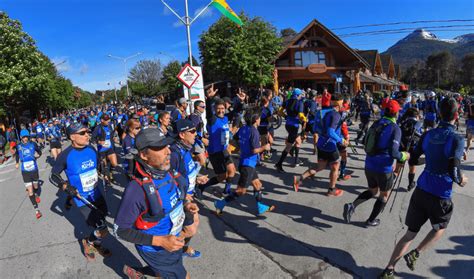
(467, 70)
(169, 81)
(288, 32)
(440, 67)
(145, 77)
(242, 55)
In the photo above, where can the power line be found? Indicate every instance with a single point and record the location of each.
(403, 29)
(403, 22)
(401, 32)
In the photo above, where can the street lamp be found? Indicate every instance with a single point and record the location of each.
(124, 60)
(169, 55)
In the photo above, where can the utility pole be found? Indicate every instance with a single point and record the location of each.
(124, 60)
(187, 21)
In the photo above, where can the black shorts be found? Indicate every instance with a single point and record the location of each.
(383, 181)
(55, 144)
(30, 176)
(165, 264)
(247, 175)
(219, 161)
(110, 151)
(262, 130)
(95, 218)
(292, 133)
(424, 206)
(330, 157)
(428, 123)
(309, 128)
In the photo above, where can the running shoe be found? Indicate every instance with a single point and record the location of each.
(38, 214)
(37, 198)
(219, 205)
(89, 250)
(191, 253)
(334, 192)
(411, 186)
(387, 274)
(279, 168)
(296, 183)
(132, 273)
(349, 209)
(298, 163)
(262, 208)
(373, 223)
(344, 177)
(411, 258)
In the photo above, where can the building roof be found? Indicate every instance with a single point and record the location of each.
(386, 59)
(314, 22)
(370, 56)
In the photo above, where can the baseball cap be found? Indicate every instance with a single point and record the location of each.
(297, 92)
(24, 133)
(151, 137)
(183, 125)
(393, 106)
(74, 128)
(105, 116)
(182, 101)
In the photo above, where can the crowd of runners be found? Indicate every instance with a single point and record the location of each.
(165, 151)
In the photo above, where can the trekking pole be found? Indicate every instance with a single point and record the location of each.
(398, 187)
(89, 204)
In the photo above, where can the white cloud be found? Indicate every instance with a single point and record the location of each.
(62, 63)
(207, 13)
(178, 23)
(83, 69)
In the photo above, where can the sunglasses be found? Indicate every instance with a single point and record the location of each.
(193, 131)
(137, 128)
(82, 133)
(202, 106)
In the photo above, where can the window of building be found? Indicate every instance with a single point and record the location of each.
(308, 57)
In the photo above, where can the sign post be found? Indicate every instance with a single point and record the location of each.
(196, 93)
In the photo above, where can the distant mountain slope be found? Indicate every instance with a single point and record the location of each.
(420, 44)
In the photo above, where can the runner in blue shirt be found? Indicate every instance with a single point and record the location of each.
(431, 200)
(80, 163)
(154, 211)
(133, 127)
(104, 136)
(25, 155)
(249, 142)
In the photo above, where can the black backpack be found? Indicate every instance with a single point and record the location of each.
(372, 138)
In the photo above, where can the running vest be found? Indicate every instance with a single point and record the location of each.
(293, 108)
(318, 120)
(164, 214)
(81, 172)
(27, 157)
(438, 148)
(187, 167)
(219, 134)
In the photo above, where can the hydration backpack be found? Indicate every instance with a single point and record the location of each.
(372, 138)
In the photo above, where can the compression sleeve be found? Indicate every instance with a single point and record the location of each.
(395, 147)
(333, 126)
(455, 161)
(59, 166)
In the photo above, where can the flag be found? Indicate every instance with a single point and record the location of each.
(224, 8)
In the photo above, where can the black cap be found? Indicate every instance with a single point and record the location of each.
(183, 125)
(151, 137)
(74, 128)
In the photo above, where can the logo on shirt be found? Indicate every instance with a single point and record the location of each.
(87, 164)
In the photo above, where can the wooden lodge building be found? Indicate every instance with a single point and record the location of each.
(316, 58)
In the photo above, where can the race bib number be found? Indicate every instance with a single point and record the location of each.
(107, 144)
(89, 180)
(29, 166)
(177, 218)
(225, 137)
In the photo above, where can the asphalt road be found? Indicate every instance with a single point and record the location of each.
(305, 237)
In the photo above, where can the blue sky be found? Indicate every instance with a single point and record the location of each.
(83, 32)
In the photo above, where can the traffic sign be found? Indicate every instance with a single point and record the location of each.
(188, 75)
